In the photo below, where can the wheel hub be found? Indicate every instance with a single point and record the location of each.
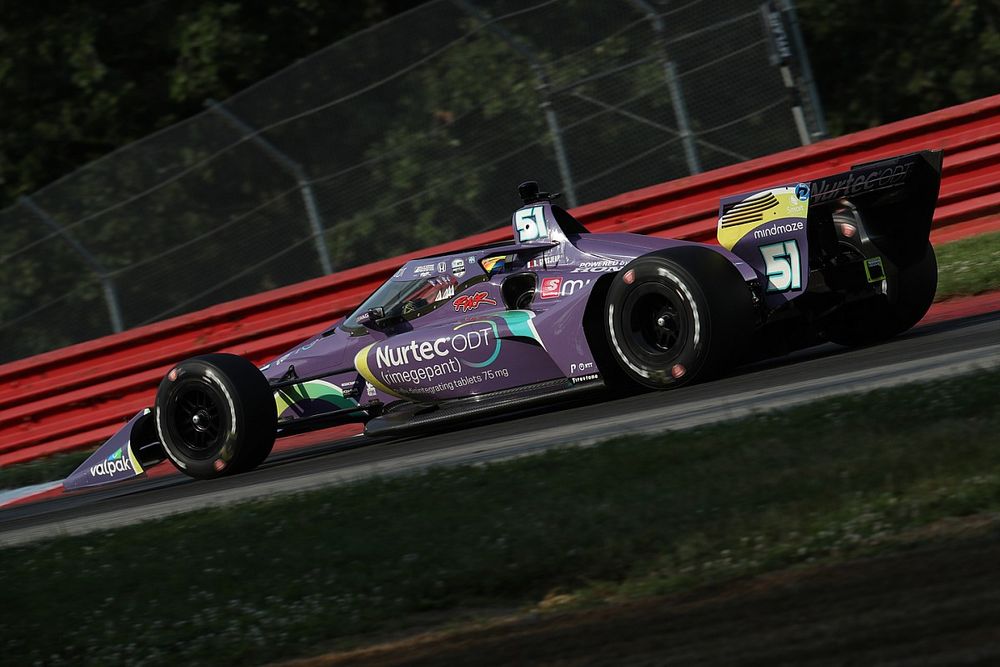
(200, 420)
(666, 332)
(656, 323)
(197, 418)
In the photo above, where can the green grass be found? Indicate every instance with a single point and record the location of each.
(48, 469)
(970, 266)
(634, 516)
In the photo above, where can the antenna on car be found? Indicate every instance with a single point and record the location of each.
(530, 194)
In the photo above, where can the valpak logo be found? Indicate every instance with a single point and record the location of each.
(115, 463)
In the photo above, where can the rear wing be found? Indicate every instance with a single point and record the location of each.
(771, 229)
(895, 197)
(900, 176)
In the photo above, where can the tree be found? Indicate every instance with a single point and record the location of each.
(876, 62)
(78, 79)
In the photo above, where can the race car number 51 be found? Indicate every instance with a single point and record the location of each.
(530, 224)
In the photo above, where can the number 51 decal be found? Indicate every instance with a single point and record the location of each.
(530, 223)
(784, 269)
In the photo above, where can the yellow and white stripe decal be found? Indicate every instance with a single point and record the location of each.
(135, 462)
(756, 210)
(361, 363)
(136, 467)
(287, 397)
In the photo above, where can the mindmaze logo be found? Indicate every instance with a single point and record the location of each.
(115, 463)
(789, 227)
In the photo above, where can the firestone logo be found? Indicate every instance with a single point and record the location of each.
(115, 463)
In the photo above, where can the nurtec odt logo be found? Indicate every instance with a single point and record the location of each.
(115, 463)
(483, 337)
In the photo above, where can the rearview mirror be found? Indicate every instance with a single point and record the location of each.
(370, 318)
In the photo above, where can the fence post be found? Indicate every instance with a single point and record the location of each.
(544, 89)
(673, 86)
(297, 172)
(107, 284)
(788, 7)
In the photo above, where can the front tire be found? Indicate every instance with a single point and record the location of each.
(215, 416)
(676, 316)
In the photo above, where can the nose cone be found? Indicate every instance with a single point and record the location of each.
(316, 356)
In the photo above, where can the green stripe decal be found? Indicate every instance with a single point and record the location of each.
(520, 324)
(316, 390)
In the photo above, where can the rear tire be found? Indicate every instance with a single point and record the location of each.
(215, 416)
(677, 316)
(909, 294)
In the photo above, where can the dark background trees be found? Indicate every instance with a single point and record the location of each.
(409, 135)
(81, 78)
(877, 62)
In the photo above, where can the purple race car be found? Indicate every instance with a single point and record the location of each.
(557, 311)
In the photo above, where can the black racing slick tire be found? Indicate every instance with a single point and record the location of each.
(215, 416)
(677, 316)
(909, 293)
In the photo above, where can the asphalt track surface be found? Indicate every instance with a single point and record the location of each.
(925, 353)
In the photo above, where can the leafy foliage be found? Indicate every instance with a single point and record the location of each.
(79, 79)
(876, 62)
(407, 163)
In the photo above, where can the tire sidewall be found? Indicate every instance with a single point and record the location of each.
(668, 279)
(241, 437)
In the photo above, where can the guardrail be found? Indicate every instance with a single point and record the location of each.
(78, 396)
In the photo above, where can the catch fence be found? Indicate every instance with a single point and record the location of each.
(400, 137)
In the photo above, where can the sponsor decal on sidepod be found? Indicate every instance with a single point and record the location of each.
(445, 346)
(551, 287)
